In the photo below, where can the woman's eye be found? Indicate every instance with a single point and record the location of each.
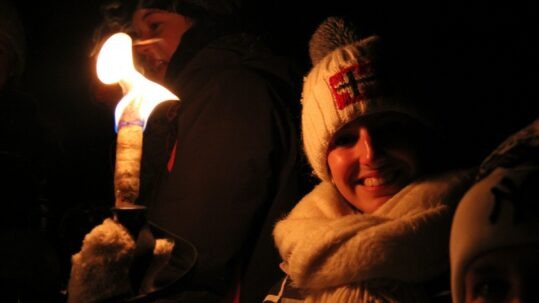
(491, 290)
(344, 140)
(154, 26)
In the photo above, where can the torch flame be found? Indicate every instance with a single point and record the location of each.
(115, 65)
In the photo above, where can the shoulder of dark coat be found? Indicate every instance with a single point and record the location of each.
(243, 51)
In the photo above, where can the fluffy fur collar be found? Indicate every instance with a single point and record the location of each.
(325, 243)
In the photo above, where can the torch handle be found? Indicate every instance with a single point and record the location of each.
(127, 170)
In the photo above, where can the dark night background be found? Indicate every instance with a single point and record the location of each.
(483, 57)
(482, 75)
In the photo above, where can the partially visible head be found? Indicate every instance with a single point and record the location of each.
(157, 26)
(495, 232)
(158, 33)
(12, 44)
(358, 130)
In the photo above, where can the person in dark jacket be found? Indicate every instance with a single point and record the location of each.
(220, 166)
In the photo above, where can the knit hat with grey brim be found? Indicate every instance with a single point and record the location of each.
(502, 209)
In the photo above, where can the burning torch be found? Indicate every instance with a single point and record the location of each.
(115, 65)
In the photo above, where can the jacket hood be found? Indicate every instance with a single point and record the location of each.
(209, 44)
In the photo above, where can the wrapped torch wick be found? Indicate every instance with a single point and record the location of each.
(128, 156)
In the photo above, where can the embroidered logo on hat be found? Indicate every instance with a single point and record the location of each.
(349, 85)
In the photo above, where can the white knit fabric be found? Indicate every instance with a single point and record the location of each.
(321, 117)
(326, 245)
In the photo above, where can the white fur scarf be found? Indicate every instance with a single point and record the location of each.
(326, 245)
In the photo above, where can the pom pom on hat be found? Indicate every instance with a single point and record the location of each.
(332, 34)
(501, 210)
(347, 81)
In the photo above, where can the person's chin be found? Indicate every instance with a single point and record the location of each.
(368, 203)
(157, 75)
(379, 201)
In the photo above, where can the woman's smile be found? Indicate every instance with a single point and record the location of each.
(366, 167)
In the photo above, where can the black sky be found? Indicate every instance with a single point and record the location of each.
(483, 57)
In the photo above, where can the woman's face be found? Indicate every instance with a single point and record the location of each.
(373, 158)
(158, 34)
(506, 275)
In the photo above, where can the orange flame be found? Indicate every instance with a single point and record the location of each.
(115, 65)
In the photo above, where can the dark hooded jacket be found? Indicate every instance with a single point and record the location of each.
(221, 166)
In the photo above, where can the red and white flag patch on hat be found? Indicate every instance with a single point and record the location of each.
(349, 85)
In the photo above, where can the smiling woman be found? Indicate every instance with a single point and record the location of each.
(376, 228)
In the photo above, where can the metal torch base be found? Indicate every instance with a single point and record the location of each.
(133, 218)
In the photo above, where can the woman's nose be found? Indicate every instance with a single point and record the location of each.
(366, 148)
(144, 43)
(141, 49)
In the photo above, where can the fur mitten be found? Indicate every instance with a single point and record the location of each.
(100, 271)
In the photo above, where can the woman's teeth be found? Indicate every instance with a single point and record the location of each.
(374, 181)
(379, 180)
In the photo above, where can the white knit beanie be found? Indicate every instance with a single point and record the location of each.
(501, 210)
(345, 83)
